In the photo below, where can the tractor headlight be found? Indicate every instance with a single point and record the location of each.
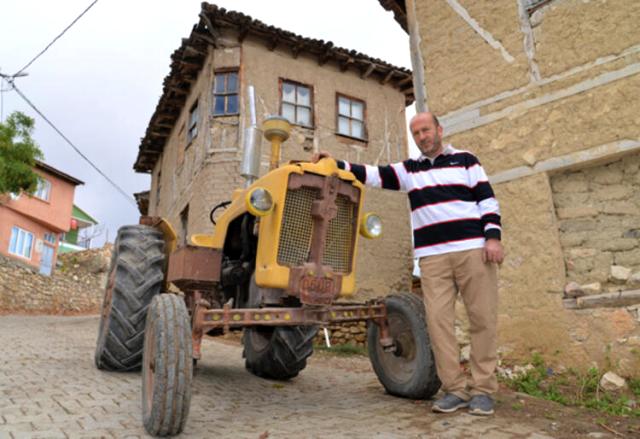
(259, 202)
(371, 226)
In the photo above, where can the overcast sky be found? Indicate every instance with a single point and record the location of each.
(100, 82)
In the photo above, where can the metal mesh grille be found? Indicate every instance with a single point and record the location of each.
(297, 226)
(338, 250)
(297, 229)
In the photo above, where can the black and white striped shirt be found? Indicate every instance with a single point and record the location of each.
(453, 207)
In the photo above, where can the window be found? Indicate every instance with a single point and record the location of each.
(21, 242)
(193, 123)
(296, 103)
(50, 238)
(44, 189)
(351, 117)
(225, 93)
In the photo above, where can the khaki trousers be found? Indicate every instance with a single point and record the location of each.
(443, 277)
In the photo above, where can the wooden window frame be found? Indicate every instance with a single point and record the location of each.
(183, 145)
(365, 131)
(192, 126)
(226, 93)
(297, 84)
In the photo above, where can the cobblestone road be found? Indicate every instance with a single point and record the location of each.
(49, 388)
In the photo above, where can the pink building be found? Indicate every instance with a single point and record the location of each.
(30, 225)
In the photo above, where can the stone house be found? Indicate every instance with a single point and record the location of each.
(545, 92)
(31, 225)
(337, 100)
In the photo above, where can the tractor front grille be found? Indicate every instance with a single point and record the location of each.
(297, 231)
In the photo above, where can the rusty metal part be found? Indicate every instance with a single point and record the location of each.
(194, 268)
(315, 282)
(227, 317)
(197, 330)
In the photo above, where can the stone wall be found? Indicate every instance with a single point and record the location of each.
(598, 212)
(76, 286)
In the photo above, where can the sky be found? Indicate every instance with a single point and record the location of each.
(100, 82)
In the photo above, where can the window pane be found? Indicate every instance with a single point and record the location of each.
(343, 106)
(357, 110)
(357, 129)
(343, 125)
(20, 242)
(219, 105)
(304, 116)
(220, 82)
(289, 111)
(304, 97)
(27, 247)
(193, 118)
(232, 82)
(232, 104)
(288, 92)
(14, 239)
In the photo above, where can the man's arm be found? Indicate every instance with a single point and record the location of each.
(391, 177)
(489, 212)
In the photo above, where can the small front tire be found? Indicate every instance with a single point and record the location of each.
(410, 371)
(167, 366)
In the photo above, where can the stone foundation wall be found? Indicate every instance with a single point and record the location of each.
(76, 286)
(598, 211)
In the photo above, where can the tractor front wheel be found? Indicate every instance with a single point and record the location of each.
(167, 369)
(410, 370)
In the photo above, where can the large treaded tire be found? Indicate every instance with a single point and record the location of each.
(167, 370)
(281, 353)
(135, 277)
(410, 372)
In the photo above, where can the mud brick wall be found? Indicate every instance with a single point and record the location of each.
(598, 211)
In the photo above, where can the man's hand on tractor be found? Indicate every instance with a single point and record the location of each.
(315, 158)
(493, 251)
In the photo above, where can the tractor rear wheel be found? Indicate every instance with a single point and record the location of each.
(167, 369)
(135, 276)
(278, 352)
(410, 371)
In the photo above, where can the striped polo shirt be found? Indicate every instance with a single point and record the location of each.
(453, 207)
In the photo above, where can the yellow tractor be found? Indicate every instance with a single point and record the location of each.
(280, 256)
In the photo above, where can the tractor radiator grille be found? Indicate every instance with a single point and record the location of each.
(297, 230)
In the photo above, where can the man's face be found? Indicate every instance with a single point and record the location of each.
(427, 135)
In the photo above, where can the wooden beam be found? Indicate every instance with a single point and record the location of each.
(295, 50)
(406, 80)
(242, 33)
(619, 299)
(191, 50)
(205, 37)
(365, 73)
(388, 77)
(344, 65)
(210, 28)
(273, 43)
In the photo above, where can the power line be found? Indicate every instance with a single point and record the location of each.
(118, 188)
(56, 38)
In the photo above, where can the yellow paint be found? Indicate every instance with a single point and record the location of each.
(201, 240)
(268, 273)
(287, 316)
(236, 317)
(252, 210)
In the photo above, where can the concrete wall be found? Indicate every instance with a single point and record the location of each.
(551, 95)
(210, 171)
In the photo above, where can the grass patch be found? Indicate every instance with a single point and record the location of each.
(343, 350)
(578, 389)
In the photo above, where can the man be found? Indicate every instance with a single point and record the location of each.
(456, 235)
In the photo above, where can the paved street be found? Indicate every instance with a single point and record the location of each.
(49, 388)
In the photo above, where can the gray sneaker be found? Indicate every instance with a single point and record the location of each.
(481, 405)
(449, 403)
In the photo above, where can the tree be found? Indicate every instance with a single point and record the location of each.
(18, 154)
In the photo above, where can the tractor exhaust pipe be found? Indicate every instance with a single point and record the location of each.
(250, 167)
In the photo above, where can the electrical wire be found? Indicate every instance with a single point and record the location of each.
(77, 150)
(56, 38)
